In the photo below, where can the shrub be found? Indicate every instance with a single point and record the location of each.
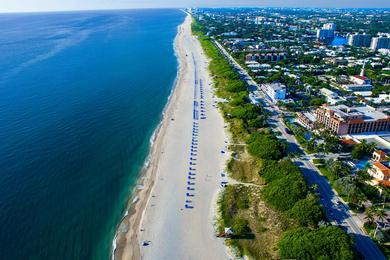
(240, 227)
(307, 212)
(322, 243)
(272, 170)
(266, 146)
(284, 192)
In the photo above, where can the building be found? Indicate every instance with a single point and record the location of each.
(275, 91)
(325, 35)
(331, 96)
(329, 26)
(382, 98)
(361, 82)
(337, 61)
(359, 40)
(259, 19)
(252, 65)
(380, 169)
(306, 119)
(380, 43)
(271, 56)
(343, 120)
(379, 156)
(355, 87)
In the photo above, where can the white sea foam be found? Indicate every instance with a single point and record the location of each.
(153, 138)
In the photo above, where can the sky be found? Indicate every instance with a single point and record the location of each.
(60, 5)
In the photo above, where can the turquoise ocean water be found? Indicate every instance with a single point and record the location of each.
(80, 96)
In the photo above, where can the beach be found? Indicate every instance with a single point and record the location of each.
(172, 216)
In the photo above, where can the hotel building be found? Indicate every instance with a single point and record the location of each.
(343, 120)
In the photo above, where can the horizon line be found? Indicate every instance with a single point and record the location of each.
(204, 7)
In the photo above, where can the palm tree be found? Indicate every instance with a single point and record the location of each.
(314, 187)
(380, 213)
(371, 147)
(369, 214)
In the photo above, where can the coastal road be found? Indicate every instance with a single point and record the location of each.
(178, 219)
(336, 210)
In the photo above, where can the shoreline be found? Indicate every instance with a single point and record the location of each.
(183, 198)
(125, 244)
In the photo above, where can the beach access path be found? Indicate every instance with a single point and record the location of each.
(178, 219)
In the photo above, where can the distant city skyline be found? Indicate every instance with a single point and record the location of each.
(60, 5)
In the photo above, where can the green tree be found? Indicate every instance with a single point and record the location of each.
(284, 192)
(273, 170)
(307, 212)
(322, 243)
(369, 214)
(362, 149)
(380, 213)
(347, 187)
(266, 146)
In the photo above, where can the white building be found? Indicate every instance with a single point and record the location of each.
(325, 35)
(329, 26)
(275, 91)
(380, 43)
(259, 19)
(331, 97)
(357, 87)
(359, 40)
(360, 80)
(382, 98)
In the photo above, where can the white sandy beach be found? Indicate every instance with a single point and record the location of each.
(160, 216)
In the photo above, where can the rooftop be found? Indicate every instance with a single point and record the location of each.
(309, 116)
(360, 77)
(368, 113)
(383, 166)
(276, 86)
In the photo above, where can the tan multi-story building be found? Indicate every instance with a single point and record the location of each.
(343, 120)
(306, 119)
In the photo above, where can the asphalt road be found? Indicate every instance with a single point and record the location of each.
(336, 210)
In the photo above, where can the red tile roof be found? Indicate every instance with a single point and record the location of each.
(381, 153)
(360, 77)
(385, 183)
(382, 168)
(348, 141)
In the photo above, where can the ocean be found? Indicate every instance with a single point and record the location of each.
(81, 94)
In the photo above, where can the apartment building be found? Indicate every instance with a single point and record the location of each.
(275, 91)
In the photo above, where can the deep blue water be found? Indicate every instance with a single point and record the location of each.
(80, 96)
